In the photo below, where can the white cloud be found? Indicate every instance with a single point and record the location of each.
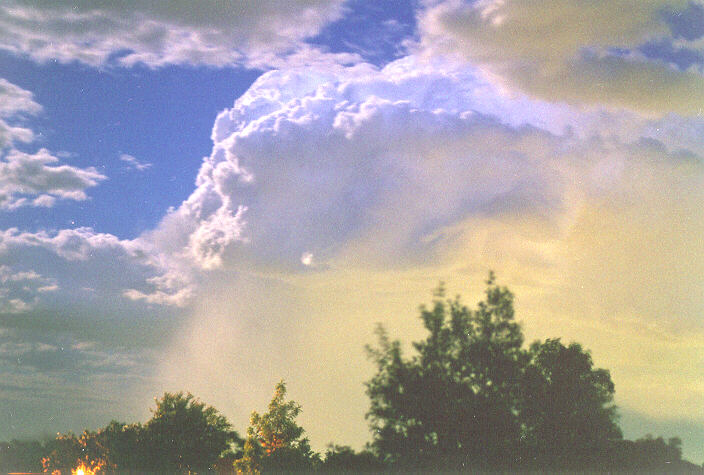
(19, 289)
(16, 101)
(78, 244)
(38, 180)
(214, 234)
(161, 33)
(16, 104)
(134, 164)
(583, 53)
(173, 287)
(73, 259)
(308, 159)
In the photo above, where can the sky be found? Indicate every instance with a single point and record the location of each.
(211, 197)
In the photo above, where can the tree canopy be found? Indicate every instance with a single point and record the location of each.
(568, 419)
(275, 441)
(183, 435)
(472, 397)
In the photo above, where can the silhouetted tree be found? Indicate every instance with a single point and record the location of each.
(185, 435)
(566, 411)
(275, 441)
(651, 454)
(453, 404)
(125, 447)
(21, 456)
(342, 459)
(68, 452)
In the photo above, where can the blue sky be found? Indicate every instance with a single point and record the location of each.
(98, 115)
(179, 179)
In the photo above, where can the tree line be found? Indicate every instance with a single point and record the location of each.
(471, 397)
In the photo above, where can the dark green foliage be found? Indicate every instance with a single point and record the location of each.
(125, 447)
(565, 406)
(453, 404)
(342, 459)
(68, 450)
(472, 398)
(184, 435)
(652, 454)
(21, 456)
(289, 459)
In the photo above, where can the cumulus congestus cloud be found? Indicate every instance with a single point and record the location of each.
(394, 179)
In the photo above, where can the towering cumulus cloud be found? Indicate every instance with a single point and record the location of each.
(334, 199)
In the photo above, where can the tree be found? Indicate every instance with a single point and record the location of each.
(21, 456)
(342, 459)
(68, 452)
(125, 447)
(185, 435)
(651, 454)
(274, 441)
(453, 404)
(566, 410)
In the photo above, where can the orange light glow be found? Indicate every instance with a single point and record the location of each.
(83, 469)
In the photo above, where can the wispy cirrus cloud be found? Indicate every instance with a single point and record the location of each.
(133, 163)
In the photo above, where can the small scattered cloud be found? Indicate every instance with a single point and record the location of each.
(16, 104)
(173, 288)
(19, 290)
(79, 260)
(39, 179)
(134, 164)
(34, 179)
(16, 101)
